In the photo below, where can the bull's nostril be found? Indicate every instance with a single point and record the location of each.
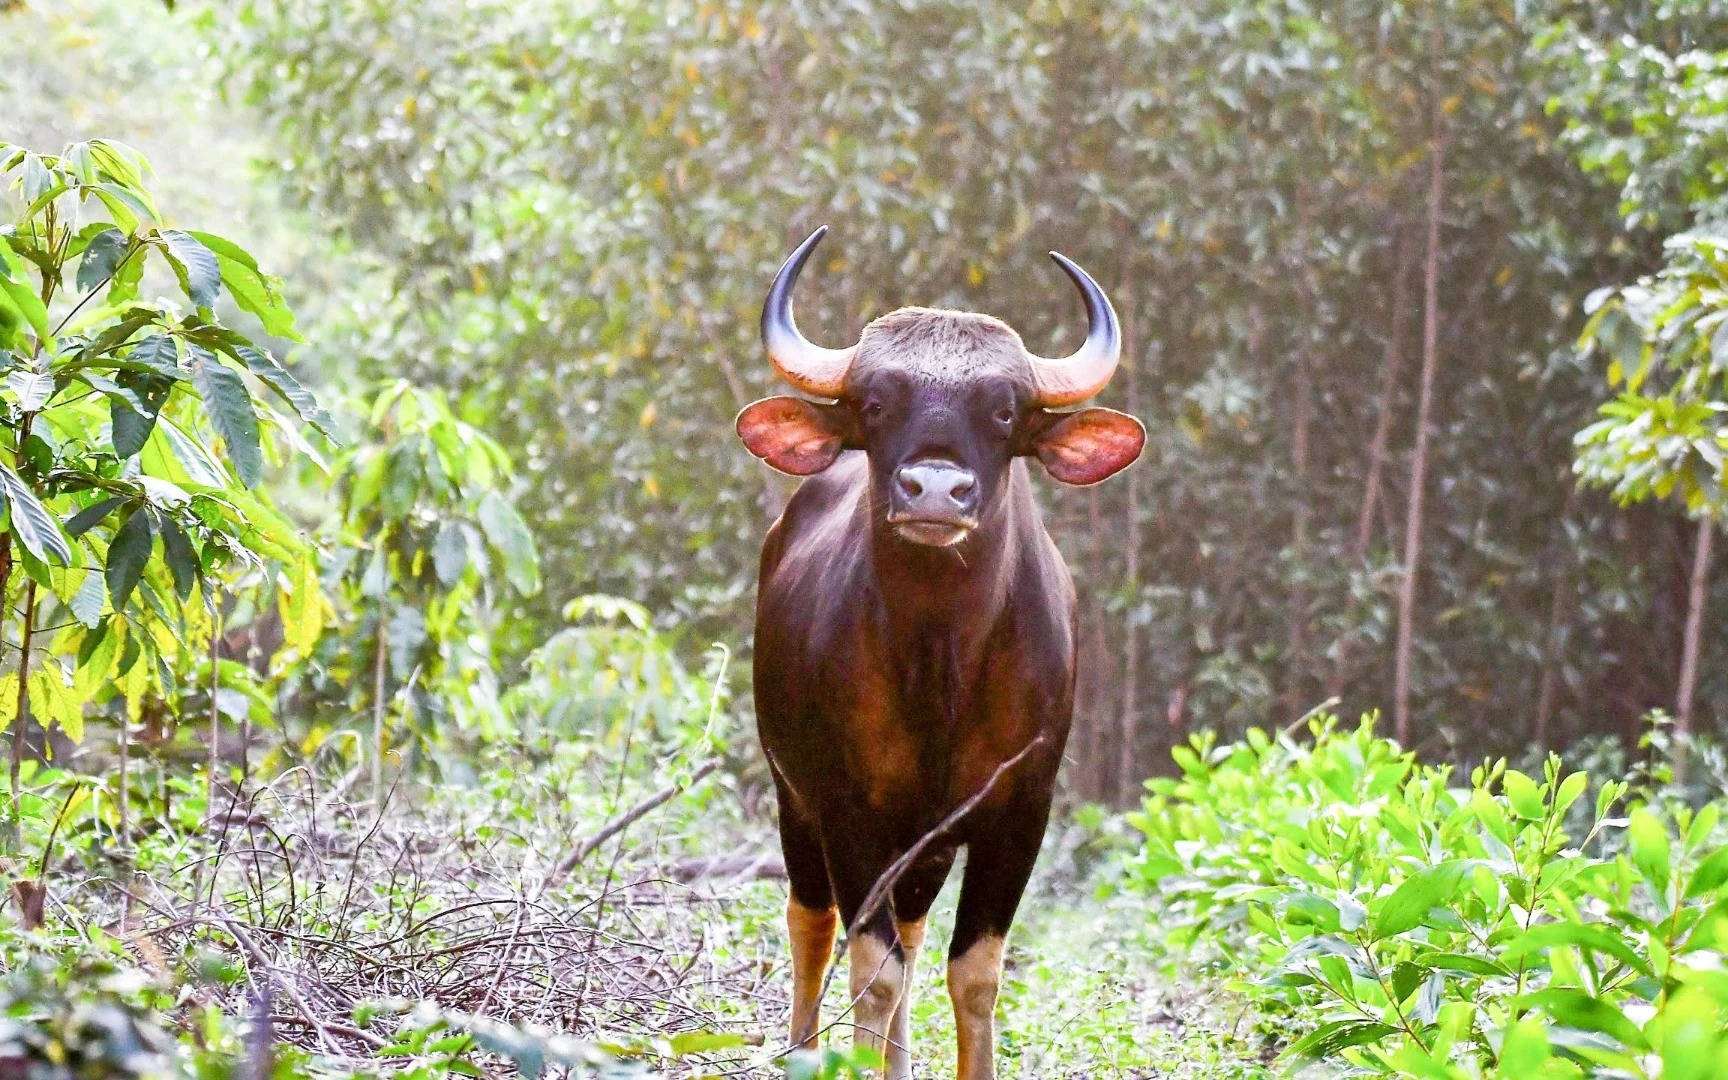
(961, 489)
(910, 485)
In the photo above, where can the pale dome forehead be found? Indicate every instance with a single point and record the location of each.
(942, 346)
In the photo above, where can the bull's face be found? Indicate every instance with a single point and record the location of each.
(941, 402)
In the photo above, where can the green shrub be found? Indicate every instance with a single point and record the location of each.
(1409, 925)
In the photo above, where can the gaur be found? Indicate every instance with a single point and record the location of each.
(915, 631)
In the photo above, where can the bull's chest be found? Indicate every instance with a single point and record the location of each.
(923, 735)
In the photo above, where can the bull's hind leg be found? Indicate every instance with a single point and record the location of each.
(999, 861)
(811, 921)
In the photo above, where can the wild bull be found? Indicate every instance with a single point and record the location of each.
(915, 637)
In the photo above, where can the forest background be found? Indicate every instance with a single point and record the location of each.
(1424, 308)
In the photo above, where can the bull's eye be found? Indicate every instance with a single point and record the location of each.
(1005, 416)
(872, 408)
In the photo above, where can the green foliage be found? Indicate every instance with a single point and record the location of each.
(81, 1020)
(1644, 107)
(121, 513)
(1667, 343)
(580, 207)
(610, 677)
(1414, 927)
(427, 541)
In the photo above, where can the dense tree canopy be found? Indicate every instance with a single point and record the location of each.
(581, 208)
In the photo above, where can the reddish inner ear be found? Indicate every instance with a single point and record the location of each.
(791, 434)
(1088, 446)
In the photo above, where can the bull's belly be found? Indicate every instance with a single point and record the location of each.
(900, 776)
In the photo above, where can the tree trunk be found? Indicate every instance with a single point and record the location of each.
(1698, 595)
(1419, 457)
(1302, 424)
(1391, 367)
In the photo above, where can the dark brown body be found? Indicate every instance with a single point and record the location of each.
(915, 638)
(892, 679)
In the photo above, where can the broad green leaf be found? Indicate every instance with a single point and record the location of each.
(91, 516)
(38, 179)
(279, 379)
(228, 403)
(251, 288)
(1472, 965)
(159, 354)
(1406, 977)
(88, 602)
(1647, 840)
(32, 525)
(8, 699)
(127, 556)
(182, 557)
(101, 257)
(1524, 794)
(1570, 789)
(1710, 875)
(124, 205)
(1576, 1008)
(508, 534)
(1691, 1040)
(302, 607)
(132, 421)
(52, 701)
(450, 553)
(1329, 1039)
(195, 265)
(1410, 901)
(127, 277)
(1523, 1049)
(32, 389)
(17, 291)
(1599, 938)
(95, 667)
(174, 455)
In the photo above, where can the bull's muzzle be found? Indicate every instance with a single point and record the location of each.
(934, 502)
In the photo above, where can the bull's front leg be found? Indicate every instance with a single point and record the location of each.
(999, 862)
(878, 961)
(811, 920)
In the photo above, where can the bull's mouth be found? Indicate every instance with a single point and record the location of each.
(933, 532)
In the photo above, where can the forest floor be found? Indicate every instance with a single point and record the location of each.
(379, 931)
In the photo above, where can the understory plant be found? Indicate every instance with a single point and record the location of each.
(1414, 923)
(135, 427)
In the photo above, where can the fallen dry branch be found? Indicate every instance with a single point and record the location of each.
(628, 818)
(336, 912)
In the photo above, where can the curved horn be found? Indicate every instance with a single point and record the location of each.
(1079, 376)
(807, 366)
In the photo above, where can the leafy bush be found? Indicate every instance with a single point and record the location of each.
(124, 526)
(1414, 926)
(609, 673)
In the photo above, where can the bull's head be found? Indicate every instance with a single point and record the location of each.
(941, 402)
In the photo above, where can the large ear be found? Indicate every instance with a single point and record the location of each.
(793, 435)
(1087, 446)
